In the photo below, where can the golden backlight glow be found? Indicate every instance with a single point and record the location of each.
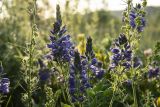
(106, 4)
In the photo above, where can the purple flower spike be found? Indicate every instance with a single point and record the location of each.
(4, 85)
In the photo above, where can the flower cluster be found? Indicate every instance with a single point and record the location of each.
(44, 73)
(93, 64)
(62, 48)
(122, 54)
(4, 85)
(137, 62)
(96, 68)
(80, 76)
(61, 45)
(153, 72)
(78, 80)
(89, 50)
(136, 17)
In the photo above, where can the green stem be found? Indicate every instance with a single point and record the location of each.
(63, 85)
(134, 89)
(128, 11)
(67, 89)
(114, 87)
(29, 74)
(64, 88)
(134, 95)
(31, 50)
(8, 101)
(111, 102)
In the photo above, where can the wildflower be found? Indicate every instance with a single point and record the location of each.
(113, 65)
(44, 73)
(82, 44)
(116, 57)
(78, 79)
(89, 51)
(79, 69)
(72, 85)
(126, 64)
(61, 48)
(122, 39)
(77, 61)
(4, 82)
(137, 19)
(137, 62)
(127, 53)
(4, 85)
(115, 50)
(57, 26)
(158, 102)
(61, 45)
(58, 23)
(153, 72)
(96, 68)
(122, 53)
(132, 19)
(94, 61)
